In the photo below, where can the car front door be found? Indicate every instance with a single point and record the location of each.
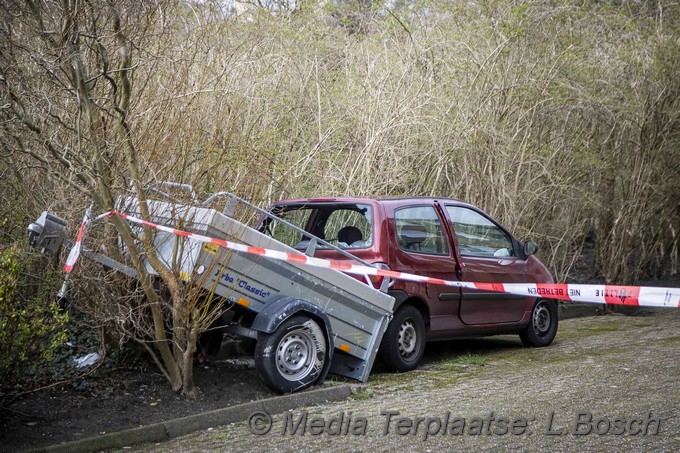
(487, 254)
(422, 247)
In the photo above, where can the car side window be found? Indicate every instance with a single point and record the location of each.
(419, 230)
(477, 235)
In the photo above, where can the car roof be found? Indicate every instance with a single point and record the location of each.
(380, 200)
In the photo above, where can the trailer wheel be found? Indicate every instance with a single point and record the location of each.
(293, 356)
(403, 344)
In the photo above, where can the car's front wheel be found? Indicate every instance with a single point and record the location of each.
(542, 327)
(403, 344)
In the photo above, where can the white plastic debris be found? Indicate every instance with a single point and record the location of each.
(87, 360)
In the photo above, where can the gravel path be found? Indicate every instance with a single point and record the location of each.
(620, 371)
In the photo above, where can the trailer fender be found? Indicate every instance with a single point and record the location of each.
(275, 313)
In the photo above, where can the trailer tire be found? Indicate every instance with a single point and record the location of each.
(403, 344)
(293, 356)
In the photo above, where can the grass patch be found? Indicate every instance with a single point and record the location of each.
(670, 341)
(569, 332)
(604, 327)
(445, 379)
(363, 394)
(460, 363)
(221, 436)
(335, 381)
(441, 374)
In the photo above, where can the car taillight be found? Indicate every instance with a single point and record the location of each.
(378, 280)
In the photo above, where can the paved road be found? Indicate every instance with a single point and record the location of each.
(615, 375)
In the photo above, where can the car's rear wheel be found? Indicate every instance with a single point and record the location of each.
(403, 344)
(542, 327)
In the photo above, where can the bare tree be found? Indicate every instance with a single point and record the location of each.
(69, 79)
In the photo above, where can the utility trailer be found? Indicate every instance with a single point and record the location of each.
(306, 321)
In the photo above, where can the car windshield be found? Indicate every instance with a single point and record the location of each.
(345, 225)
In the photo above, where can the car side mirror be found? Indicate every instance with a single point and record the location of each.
(530, 247)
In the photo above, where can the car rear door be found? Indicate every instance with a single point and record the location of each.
(489, 254)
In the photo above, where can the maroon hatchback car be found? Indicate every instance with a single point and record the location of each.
(434, 237)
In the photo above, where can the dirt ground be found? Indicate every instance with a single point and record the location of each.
(123, 399)
(593, 361)
(618, 371)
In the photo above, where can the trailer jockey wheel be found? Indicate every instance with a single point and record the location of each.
(293, 356)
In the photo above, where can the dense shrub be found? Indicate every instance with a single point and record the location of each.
(31, 326)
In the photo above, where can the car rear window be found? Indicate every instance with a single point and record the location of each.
(346, 225)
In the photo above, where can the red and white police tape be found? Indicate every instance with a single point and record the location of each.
(646, 296)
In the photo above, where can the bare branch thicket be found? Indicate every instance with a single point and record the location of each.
(77, 101)
(560, 121)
